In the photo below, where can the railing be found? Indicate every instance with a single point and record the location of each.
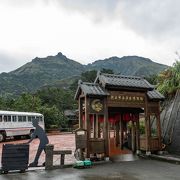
(49, 157)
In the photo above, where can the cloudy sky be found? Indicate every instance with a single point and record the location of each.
(87, 30)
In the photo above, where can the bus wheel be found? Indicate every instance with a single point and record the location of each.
(2, 137)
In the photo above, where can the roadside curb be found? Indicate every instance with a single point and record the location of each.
(165, 158)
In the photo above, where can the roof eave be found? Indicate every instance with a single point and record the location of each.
(156, 99)
(127, 87)
(76, 96)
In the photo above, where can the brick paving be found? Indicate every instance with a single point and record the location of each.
(60, 141)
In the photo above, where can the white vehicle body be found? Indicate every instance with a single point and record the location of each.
(13, 123)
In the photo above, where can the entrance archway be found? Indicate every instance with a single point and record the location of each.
(111, 106)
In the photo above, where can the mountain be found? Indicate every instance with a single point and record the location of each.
(129, 65)
(61, 71)
(39, 72)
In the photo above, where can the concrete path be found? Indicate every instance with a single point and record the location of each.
(134, 170)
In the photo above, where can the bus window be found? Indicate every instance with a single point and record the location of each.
(33, 117)
(37, 118)
(7, 118)
(40, 119)
(1, 118)
(29, 118)
(24, 118)
(19, 118)
(14, 118)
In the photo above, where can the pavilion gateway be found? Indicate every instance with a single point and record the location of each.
(120, 114)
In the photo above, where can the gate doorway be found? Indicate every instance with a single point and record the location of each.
(124, 133)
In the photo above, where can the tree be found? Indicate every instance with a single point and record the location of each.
(152, 79)
(27, 102)
(89, 76)
(52, 116)
(108, 71)
(169, 80)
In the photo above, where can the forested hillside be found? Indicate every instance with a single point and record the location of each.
(60, 71)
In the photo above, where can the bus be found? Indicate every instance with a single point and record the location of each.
(16, 124)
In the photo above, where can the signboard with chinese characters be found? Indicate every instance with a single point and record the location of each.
(118, 98)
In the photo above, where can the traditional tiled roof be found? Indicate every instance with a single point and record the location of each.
(111, 80)
(103, 81)
(155, 95)
(92, 89)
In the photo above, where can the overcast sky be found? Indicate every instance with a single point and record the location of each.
(88, 30)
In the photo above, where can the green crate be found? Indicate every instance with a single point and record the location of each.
(79, 164)
(82, 164)
(87, 163)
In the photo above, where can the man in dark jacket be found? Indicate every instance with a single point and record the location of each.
(39, 133)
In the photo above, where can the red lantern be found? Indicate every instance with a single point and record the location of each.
(111, 120)
(126, 117)
(117, 117)
(100, 119)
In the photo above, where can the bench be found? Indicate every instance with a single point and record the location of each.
(49, 157)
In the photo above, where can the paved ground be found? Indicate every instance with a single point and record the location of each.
(141, 169)
(61, 142)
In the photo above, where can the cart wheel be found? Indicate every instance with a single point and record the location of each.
(22, 171)
(5, 172)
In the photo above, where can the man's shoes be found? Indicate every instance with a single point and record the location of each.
(33, 164)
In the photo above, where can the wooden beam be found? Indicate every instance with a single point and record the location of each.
(56, 152)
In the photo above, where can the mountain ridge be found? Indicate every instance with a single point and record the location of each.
(41, 72)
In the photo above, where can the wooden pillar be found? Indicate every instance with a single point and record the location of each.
(80, 112)
(117, 134)
(99, 128)
(106, 128)
(148, 134)
(96, 126)
(159, 127)
(133, 137)
(137, 135)
(121, 134)
(147, 126)
(87, 124)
